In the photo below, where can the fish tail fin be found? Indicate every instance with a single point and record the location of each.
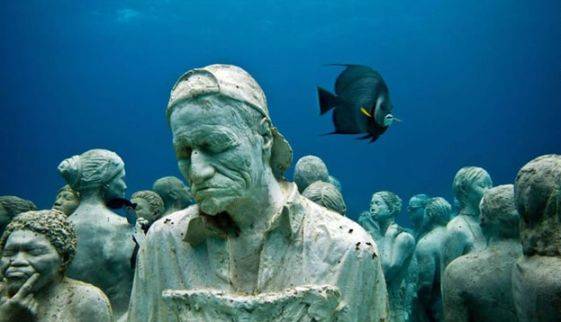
(326, 100)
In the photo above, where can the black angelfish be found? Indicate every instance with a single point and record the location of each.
(361, 102)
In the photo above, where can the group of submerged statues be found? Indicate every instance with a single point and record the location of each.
(244, 244)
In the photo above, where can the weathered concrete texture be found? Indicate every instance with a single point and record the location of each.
(67, 200)
(314, 303)
(308, 170)
(477, 286)
(536, 277)
(326, 195)
(105, 243)
(174, 193)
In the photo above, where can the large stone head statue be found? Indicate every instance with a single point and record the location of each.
(42, 242)
(438, 211)
(537, 192)
(416, 210)
(224, 140)
(67, 200)
(498, 215)
(10, 206)
(326, 195)
(174, 193)
(149, 206)
(95, 171)
(470, 183)
(308, 170)
(385, 205)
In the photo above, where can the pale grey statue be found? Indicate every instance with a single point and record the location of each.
(175, 194)
(37, 248)
(67, 200)
(10, 206)
(308, 170)
(327, 195)
(536, 276)
(149, 207)
(464, 234)
(416, 213)
(397, 248)
(105, 244)
(477, 286)
(252, 243)
(429, 255)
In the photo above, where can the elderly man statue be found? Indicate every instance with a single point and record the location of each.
(37, 247)
(250, 233)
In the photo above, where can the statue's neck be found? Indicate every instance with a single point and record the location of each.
(385, 224)
(470, 210)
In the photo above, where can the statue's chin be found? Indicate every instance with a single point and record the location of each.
(213, 206)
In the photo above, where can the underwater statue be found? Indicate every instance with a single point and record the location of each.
(11, 206)
(477, 286)
(252, 248)
(37, 248)
(464, 233)
(334, 181)
(175, 194)
(67, 200)
(536, 277)
(416, 213)
(429, 255)
(397, 248)
(149, 207)
(308, 170)
(105, 244)
(327, 195)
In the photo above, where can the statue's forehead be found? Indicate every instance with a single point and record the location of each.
(27, 237)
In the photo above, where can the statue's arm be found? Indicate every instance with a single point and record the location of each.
(427, 266)
(454, 246)
(401, 250)
(455, 309)
(94, 307)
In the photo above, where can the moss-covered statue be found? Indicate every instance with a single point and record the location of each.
(416, 213)
(464, 233)
(327, 195)
(67, 200)
(429, 255)
(175, 194)
(10, 206)
(149, 207)
(308, 170)
(477, 286)
(105, 244)
(37, 247)
(252, 248)
(536, 276)
(397, 248)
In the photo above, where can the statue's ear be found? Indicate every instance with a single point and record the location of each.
(265, 131)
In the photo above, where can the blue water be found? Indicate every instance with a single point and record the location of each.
(475, 83)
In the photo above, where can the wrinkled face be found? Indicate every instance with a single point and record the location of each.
(116, 188)
(416, 212)
(4, 218)
(144, 210)
(379, 209)
(66, 202)
(217, 152)
(26, 253)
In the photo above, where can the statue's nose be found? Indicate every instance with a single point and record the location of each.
(201, 169)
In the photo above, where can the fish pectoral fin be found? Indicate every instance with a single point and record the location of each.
(395, 119)
(365, 112)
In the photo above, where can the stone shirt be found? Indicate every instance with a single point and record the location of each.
(305, 245)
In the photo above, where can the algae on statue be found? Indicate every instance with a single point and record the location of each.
(251, 234)
(536, 276)
(477, 286)
(105, 244)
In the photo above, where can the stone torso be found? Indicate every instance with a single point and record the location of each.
(537, 288)
(464, 235)
(481, 283)
(104, 252)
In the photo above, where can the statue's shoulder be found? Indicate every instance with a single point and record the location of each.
(87, 298)
(174, 222)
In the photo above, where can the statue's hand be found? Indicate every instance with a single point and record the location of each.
(392, 232)
(22, 306)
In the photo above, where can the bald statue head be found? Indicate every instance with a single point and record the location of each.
(308, 170)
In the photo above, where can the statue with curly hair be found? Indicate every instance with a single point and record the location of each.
(10, 206)
(105, 244)
(397, 247)
(536, 276)
(67, 200)
(478, 286)
(464, 235)
(37, 247)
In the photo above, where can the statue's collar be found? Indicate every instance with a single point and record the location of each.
(288, 220)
